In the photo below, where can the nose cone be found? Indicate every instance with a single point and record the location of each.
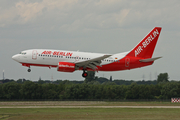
(16, 57)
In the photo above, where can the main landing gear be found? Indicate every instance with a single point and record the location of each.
(29, 69)
(85, 74)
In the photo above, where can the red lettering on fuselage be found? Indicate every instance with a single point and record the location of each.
(46, 52)
(55, 53)
(68, 54)
(62, 53)
(58, 53)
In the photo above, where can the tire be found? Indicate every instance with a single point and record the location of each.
(85, 74)
(29, 70)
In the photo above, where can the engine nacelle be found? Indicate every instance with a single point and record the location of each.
(66, 67)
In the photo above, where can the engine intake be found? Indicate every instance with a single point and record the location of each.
(66, 67)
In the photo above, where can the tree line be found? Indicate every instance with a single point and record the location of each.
(92, 79)
(31, 90)
(91, 88)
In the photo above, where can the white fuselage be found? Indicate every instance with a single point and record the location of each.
(47, 57)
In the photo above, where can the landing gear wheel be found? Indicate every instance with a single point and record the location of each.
(85, 74)
(29, 70)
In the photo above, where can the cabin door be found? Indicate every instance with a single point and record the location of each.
(34, 54)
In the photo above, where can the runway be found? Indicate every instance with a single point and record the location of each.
(89, 106)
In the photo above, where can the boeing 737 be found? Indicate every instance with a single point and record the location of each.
(70, 61)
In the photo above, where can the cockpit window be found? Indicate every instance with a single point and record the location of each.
(22, 53)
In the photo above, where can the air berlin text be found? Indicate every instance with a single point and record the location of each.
(66, 66)
(57, 53)
(146, 42)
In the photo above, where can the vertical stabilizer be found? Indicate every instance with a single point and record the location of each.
(146, 47)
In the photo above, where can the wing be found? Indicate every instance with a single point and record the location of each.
(92, 63)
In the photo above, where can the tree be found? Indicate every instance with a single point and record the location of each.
(102, 80)
(31, 90)
(90, 77)
(110, 78)
(10, 90)
(41, 82)
(163, 77)
(133, 91)
(109, 83)
(169, 90)
(20, 81)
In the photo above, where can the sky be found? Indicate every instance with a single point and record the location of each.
(102, 26)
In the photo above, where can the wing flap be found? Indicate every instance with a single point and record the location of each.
(92, 66)
(95, 63)
(92, 63)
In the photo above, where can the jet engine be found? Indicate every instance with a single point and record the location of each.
(66, 67)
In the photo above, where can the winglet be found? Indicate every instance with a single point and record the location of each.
(146, 47)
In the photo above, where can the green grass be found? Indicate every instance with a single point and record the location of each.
(89, 113)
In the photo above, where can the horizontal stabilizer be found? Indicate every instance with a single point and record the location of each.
(149, 60)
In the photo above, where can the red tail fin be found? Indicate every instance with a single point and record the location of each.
(146, 47)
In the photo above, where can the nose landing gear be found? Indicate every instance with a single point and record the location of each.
(29, 69)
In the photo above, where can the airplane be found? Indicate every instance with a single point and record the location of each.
(70, 61)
